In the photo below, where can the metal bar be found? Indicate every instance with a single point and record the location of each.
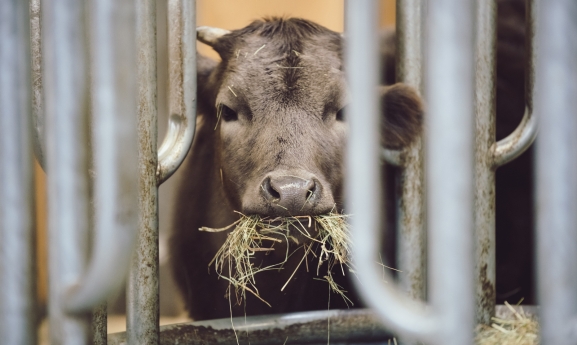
(17, 255)
(157, 166)
(99, 325)
(556, 185)
(400, 313)
(485, 110)
(66, 95)
(115, 152)
(142, 307)
(345, 326)
(411, 248)
(182, 88)
(450, 166)
(39, 135)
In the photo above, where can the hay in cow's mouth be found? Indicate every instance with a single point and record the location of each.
(252, 234)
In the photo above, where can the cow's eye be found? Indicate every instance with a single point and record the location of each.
(341, 114)
(228, 114)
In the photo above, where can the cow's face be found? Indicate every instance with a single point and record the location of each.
(279, 95)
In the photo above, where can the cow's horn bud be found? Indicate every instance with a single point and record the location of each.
(210, 35)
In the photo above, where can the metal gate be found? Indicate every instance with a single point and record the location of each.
(461, 158)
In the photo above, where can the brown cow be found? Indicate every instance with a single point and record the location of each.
(282, 90)
(270, 141)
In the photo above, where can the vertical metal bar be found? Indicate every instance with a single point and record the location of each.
(556, 166)
(99, 325)
(17, 256)
(411, 249)
(36, 74)
(485, 74)
(66, 95)
(142, 322)
(401, 313)
(450, 166)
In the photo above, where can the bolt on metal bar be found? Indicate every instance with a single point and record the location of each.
(556, 170)
(485, 110)
(411, 252)
(17, 256)
(155, 166)
(450, 318)
(66, 95)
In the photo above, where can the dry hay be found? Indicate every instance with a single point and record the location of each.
(252, 234)
(521, 329)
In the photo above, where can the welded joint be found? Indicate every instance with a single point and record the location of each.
(517, 142)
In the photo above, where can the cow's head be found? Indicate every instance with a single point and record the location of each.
(276, 102)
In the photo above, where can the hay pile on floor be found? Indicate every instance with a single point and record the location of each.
(522, 329)
(252, 234)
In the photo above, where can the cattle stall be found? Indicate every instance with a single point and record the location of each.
(89, 247)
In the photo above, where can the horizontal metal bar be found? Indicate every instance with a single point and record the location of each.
(17, 254)
(317, 327)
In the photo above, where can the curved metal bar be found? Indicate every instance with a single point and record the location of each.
(182, 91)
(511, 147)
(393, 157)
(399, 311)
(115, 155)
(66, 93)
(450, 319)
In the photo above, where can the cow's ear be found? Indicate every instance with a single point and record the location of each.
(209, 35)
(402, 120)
(204, 68)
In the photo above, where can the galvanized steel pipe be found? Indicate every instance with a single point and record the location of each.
(17, 252)
(142, 308)
(485, 110)
(155, 166)
(114, 152)
(450, 319)
(66, 94)
(556, 170)
(411, 240)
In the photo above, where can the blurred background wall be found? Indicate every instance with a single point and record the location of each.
(227, 14)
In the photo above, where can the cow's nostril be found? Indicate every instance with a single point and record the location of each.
(269, 190)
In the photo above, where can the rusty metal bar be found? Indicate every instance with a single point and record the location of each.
(142, 306)
(156, 166)
(450, 319)
(17, 256)
(485, 110)
(39, 142)
(411, 240)
(556, 170)
(99, 325)
(345, 327)
(66, 95)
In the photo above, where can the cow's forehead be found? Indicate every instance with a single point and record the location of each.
(265, 67)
